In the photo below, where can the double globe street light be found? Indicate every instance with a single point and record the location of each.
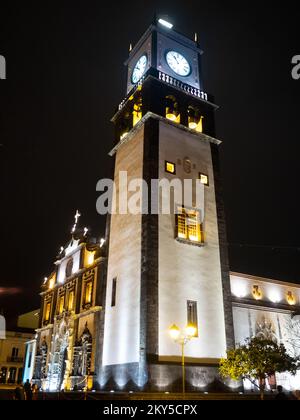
(182, 337)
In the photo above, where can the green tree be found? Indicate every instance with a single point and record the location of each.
(257, 360)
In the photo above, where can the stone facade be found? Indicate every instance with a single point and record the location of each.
(67, 338)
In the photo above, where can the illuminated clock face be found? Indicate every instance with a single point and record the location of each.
(139, 69)
(178, 63)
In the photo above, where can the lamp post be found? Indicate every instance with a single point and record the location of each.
(182, 338)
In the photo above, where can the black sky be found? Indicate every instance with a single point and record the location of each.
(65, 77)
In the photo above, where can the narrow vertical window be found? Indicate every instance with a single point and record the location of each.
(61, 304)
(47, 311)
(88, 292)
(192, 318)
(69, 268)
(71, 301)
(29, 359)
(114, 292)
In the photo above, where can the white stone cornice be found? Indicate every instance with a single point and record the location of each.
(139, 125)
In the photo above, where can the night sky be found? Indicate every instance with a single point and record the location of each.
(65, 78)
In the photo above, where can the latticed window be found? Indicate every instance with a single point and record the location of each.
(188, 225)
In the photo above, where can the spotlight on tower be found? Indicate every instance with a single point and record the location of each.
(165, 23)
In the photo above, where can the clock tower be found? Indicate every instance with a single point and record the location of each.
(166, 269)
(169, 52)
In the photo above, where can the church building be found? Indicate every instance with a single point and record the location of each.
(65, 352)
(108, 306)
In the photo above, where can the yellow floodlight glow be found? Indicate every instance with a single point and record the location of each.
(193, 125)
(170, 167)
(191, 330)
(274, 296)
(170, 115)
(123, 135)
(51, 282)
(174, 332)
(290, 297)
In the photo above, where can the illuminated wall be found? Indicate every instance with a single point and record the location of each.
(121, 331)
(29, 360)
(265, 308)
(189, 272)
(269, 291)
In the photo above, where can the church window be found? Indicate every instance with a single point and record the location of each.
(114, 292)
(47, 311)
(204, 179)
(188, 225)
(192, 318)
(88, 293)
(61, 304)
(71, 300)
(170, 168)
(69, 268)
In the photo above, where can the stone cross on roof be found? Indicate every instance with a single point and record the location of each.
(76, 217)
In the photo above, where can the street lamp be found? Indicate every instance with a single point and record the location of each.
(182, 338)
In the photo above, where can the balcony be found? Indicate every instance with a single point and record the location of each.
(14, 359)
